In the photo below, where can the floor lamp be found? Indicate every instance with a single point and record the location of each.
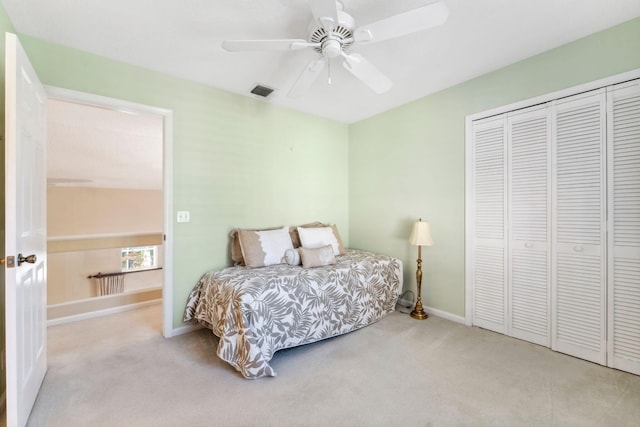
(420, 236)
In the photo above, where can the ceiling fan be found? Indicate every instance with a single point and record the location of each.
(332, 34)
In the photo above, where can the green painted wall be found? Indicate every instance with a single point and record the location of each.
(5, 26)
(410, 162)
(237, 162)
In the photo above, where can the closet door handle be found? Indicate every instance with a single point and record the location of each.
(528, 245)
(578, 248)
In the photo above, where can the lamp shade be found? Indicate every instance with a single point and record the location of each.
(420, 235)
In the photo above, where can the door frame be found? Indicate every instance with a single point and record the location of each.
(167, 179)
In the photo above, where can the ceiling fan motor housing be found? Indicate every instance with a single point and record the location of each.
(340, 39)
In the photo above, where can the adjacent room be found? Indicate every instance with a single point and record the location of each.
(485, 151)
(104, 209)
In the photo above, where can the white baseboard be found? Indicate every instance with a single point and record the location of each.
(445, 315)
(434, 311)
(184, 330)
(100, 313)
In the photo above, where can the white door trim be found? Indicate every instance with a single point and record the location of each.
(167, 148)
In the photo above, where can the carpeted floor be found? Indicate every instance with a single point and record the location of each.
(119, 371)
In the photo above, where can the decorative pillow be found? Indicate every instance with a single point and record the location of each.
(267, 247)
(317, 257)
(321, 236)
(236, 250)
(292, 256)
(295, 237)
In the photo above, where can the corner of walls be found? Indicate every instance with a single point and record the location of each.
(409, 162)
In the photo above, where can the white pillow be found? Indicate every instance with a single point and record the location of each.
(317, 237)
(292, 256)
(261, 248)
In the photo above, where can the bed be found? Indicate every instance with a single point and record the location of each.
(258, 311)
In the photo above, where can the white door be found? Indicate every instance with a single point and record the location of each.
(624, 226)
(529, 199)
(579, 216)
(25, 210)
(488, 266)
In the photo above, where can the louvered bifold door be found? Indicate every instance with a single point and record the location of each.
(578, 206)
(488, 224)
(624, 226)
(529, 199)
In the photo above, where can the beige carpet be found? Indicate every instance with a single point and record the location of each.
(119, 371)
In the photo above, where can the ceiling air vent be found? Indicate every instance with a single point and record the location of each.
(262, 91)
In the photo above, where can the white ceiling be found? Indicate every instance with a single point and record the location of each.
(182, 38)
(91, 146)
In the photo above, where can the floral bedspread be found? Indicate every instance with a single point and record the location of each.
(258, 311)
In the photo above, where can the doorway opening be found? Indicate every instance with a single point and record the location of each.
(109, 207)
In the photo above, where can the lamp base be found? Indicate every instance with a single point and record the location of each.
(419, 314)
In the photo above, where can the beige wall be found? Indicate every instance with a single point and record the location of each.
(68, 271)
(76, 215)
(82, 211)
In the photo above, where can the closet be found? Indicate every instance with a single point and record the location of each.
(554, 228)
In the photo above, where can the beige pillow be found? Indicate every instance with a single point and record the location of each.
(317, 257)
(236, 250)
(321, 236)
(266, 247)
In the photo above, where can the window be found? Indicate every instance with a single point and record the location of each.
(139, 258)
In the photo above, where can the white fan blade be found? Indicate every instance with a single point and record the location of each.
(308, 76)
(367, 73)
(253, 45)
(325, 12)
(402, 24)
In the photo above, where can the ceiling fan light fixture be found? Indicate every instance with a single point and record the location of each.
(341, 32)
(331, 48)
